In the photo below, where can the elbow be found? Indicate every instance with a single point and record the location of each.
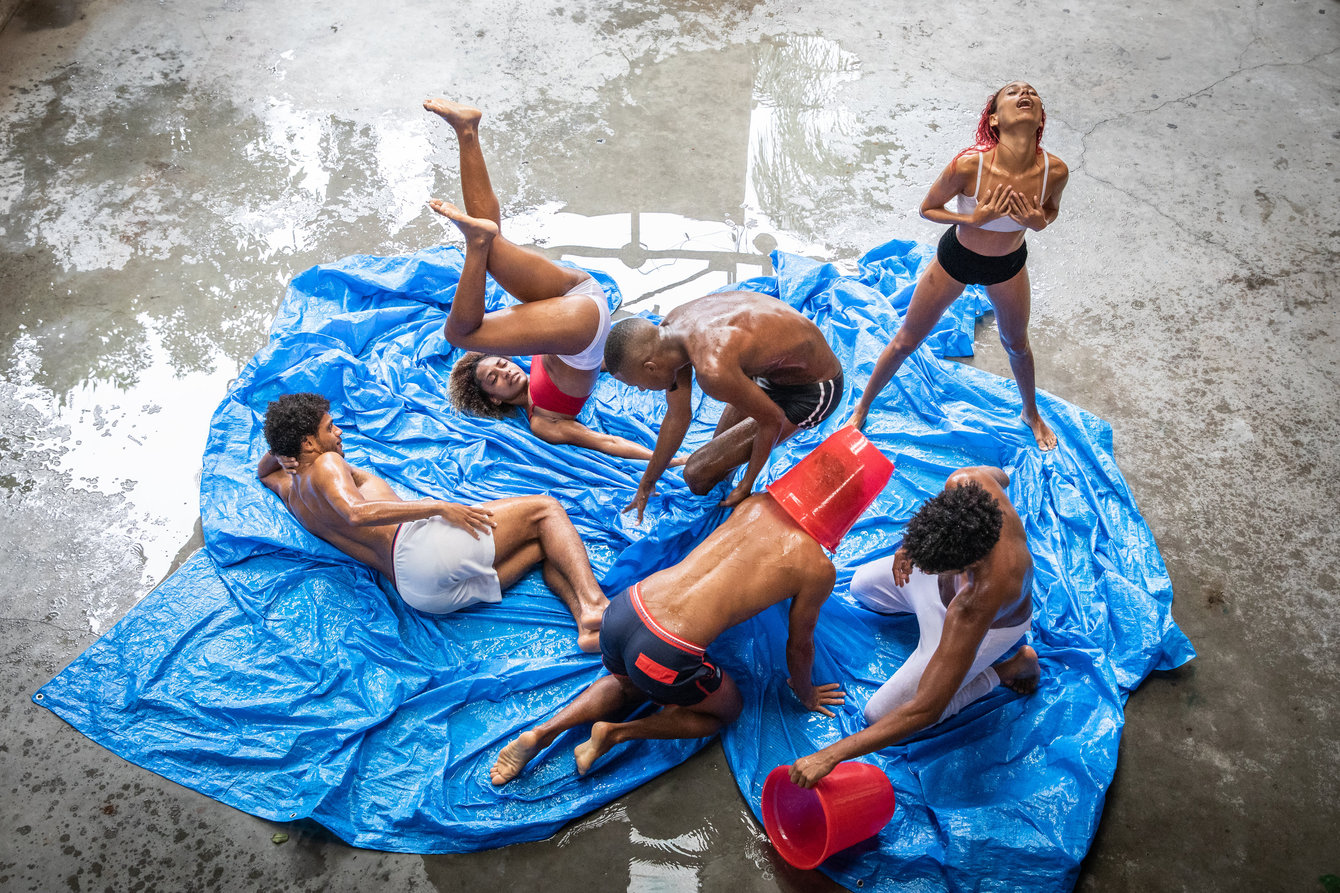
(358, 516)
(458, 335)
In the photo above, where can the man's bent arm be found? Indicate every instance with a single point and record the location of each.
(273, 475)
(333, 479)
(964, 630)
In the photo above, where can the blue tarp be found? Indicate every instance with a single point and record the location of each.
(277, 676)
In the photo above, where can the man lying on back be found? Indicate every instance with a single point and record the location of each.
(439, 555)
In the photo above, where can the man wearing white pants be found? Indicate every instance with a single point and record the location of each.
(964, 569)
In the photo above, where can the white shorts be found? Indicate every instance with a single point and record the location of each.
(872, 585)
(440, 568)
(594, 354)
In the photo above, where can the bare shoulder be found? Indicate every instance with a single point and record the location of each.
(328, 468)
(1058, 167)
(989, 476)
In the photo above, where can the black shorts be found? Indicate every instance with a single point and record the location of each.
(805, 405)
(668, 669)
(971, 268)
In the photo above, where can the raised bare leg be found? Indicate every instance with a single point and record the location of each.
(480, 199)
(935, 291)
(524, 274)
(467, 307)
(1021, 672)
(720, 708)
(606, 697)
(714, 461)
(1012, 300)
(538, 525)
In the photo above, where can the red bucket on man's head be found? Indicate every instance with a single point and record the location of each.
(807, 825)
(831, 487)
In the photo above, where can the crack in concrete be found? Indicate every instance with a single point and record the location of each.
(45, 623)
(1202, 236)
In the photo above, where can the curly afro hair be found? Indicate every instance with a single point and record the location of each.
(466, 393)
(291, 418)
(954, 529)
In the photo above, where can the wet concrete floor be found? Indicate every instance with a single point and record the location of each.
(165, 168)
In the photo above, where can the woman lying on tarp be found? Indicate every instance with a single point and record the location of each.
(562, 320)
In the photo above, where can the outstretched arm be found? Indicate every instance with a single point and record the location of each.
(678, 415)
(332, 477)
(805, 607)
(569, 431)
(963, 631)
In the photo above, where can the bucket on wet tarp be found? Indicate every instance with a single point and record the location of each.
(807, 825)
(831, 487)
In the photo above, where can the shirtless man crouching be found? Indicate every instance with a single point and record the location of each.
(769, 364)
(655, 634)
(440, 556)
(965, 570)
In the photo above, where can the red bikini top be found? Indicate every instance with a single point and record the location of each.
(544, 394)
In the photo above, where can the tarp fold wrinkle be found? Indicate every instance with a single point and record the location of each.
(274, 674)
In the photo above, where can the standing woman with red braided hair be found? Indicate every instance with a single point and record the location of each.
(1004, 185)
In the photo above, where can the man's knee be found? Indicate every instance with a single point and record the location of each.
(871, 581)
(699, 475)
(726, 703)
(526, 513)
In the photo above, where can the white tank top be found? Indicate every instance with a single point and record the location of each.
(968, 203)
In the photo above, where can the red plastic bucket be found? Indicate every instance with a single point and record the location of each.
(831, 487)
(807, 825)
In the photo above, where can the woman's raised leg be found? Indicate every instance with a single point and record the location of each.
(524, 274)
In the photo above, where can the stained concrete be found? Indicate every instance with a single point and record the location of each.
(166, 167)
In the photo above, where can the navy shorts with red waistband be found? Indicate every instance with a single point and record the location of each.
(667, 668)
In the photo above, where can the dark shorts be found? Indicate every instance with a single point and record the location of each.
(670, 670)
(972, 268)
(805, 405)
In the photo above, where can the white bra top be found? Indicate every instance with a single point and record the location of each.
(968, 203)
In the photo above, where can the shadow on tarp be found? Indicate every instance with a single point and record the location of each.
(275, 675)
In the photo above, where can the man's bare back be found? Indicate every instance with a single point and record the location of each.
(755, 334)
(756, 558)
(769, 364)
(967, 547)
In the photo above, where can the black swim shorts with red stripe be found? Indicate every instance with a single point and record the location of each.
(669, 669)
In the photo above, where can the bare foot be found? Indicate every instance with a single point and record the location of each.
(456, 114)
(475, 229)
(1042, 433)
(1021, 672)
(593, 748)
(514, 757)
